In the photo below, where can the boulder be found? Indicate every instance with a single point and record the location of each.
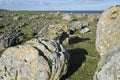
(33, 17)
(92, 17)
(108, 45)
(76, 25)
(84, 23)
(17, 17)
(36, 59)
(58, 32)
(68, 17)
(109, 65)
(84, 30)
(108, 29)
(11, 39)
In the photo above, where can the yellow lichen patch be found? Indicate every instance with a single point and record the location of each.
(32, 58)
(33, 66)
(64, 27)
(32, 43)
(19, 53)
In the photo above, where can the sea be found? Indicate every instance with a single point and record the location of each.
(76, 11)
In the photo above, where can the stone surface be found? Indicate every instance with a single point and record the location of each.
(36, 59)
(108, 29)
(84, 30)
(108, 45)
(109, 65)
(76, 25)
(68, 17)
(84, 23)
(58, 32)
(11, 39)
(92, 17)
(16, 18)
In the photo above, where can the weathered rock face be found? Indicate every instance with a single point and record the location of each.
(109, 65)
(35, 60)
(68, 17)
(108, 45)
(58, 32)
(76, 25)
(11, 39)
(92, 17)
(108, 29)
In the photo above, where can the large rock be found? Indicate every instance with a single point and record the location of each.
(11, 39)
(76, 25)
(92, 17)
(108, 29)
(58, 32)
(109, 65)
(108, 45)
(68, 17)
(35, 60)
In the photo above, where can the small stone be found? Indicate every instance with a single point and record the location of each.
(84, 30)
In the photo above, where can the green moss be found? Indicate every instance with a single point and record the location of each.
(16, 75)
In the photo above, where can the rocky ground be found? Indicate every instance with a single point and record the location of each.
(18, 27)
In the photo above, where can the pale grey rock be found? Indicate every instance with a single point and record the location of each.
(33, 17)
(108, 45)
(76, 25)
(91, 17)
(84, 30)
(16, 17)
(68, 17)
(84, 23)
(12, 39)
(23, 63)
(108, 29)
(109, 65)
(58, 32)
(36, 59)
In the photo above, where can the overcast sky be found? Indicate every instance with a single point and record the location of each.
(45, 5)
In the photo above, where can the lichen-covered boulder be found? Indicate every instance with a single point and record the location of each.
(108, 29)
(35, 60)
(67, 17)
(109, 65)
(58, 32)
(76, 25)
(108, 45)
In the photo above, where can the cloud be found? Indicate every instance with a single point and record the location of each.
(6, 2)
(55, 2)
(1, 2)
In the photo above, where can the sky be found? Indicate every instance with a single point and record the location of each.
(57, 5)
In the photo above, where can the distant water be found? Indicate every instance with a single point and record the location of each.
(76, 11)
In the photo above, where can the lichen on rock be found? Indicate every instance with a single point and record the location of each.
(108, 29)
(108, 45)
(36, 59)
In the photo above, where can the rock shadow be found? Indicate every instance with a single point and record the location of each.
(77, 40)
(77, 58)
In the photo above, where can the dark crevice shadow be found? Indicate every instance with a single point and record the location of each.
(77, 40)
(77, 58)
